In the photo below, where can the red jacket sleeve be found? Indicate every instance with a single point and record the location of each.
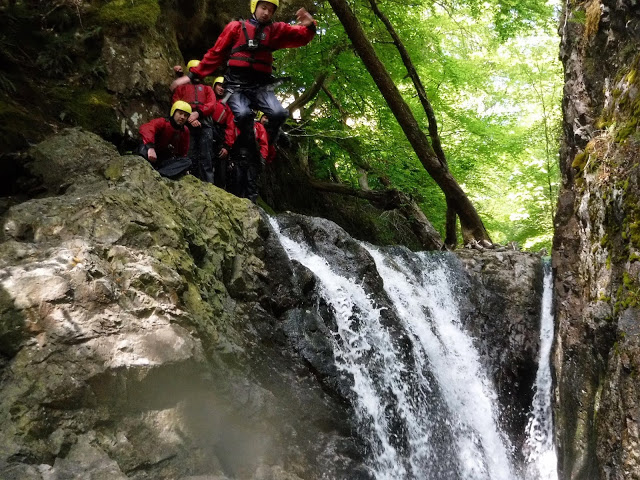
(229, 129)
(285, 35)
(220, 51)
(148, 131)
(263, 139)
(183, 144)
(209, 102)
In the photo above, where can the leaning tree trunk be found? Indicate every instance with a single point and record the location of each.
(472, 227)
(451, 238)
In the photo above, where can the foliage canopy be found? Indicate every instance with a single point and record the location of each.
(492, 76)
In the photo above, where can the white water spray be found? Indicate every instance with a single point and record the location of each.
(428, 309)
(541, 460)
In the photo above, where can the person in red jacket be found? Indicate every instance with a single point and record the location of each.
(165, 142)
(223, 133)
(246, 164)
(247, 46)
(203, 103)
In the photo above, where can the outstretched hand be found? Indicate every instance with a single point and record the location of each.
(179, 81)
(304, 18)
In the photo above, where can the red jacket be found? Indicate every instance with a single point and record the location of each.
(199, 96)
(276, 36)
(160, 134)
(224, 117)
(261, 137)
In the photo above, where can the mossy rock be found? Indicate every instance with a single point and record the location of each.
(94, 110)
(90, 109)
(130, 14)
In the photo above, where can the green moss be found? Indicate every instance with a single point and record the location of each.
(628, 294)
(130, 14)
(634, 234)
(90, 109)
(578, 16)
(94, 110)
(626, 130)
(603, 122)
(580, 161)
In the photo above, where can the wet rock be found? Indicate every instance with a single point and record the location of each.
(503, 314)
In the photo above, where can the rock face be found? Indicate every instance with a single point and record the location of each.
(503, 315)
(139, 334)
(597, 244)
(157, 329)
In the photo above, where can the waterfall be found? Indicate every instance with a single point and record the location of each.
(428, 309)
(422, 399)
(539, 449)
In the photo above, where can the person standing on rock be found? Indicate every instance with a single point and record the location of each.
(203, 103)
(223, 133)
(247, 46)
(165, 142)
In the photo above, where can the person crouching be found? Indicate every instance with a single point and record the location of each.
(165, 142)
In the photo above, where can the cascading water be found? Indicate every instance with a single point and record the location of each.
(539, 448)
(427, 307)
(421, 396)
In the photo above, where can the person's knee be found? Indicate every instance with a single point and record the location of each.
(278, 117)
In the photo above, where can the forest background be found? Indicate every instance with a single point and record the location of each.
(492, 75)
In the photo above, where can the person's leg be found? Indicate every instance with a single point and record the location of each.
(240, 103)
(219, 164)
(267, 101)
(173, 167)
(194, 152)
(206, 162)
(143, 151)
(241, 178)
(253, 171)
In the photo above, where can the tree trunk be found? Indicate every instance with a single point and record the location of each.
(472, 227)
(310, 93)
(451, 235)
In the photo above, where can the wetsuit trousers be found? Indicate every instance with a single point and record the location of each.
(200, 145)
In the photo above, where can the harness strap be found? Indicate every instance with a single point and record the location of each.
(244, 29)
(256, 38)
(249, 60)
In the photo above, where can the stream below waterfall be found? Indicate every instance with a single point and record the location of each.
(422, 398)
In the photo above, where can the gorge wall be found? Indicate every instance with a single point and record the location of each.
(596, 249)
